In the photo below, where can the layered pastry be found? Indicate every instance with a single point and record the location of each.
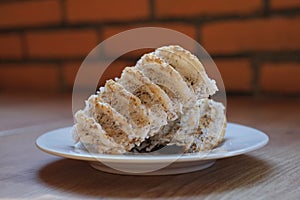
(165, 99)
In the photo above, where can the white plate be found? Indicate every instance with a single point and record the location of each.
(239, 139)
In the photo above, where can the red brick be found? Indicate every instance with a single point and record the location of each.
(30, 13)
(280, 77)
(61, 44)
(29, 77)
(187, 8)
(252, 35)
(70, 70)
(10, 46)
(113, 10)
(237, 74)
(284, 4)
(180, 27)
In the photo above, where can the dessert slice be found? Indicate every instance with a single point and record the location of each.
(127, 105)
(89, 133)
(152, 96)
(200, 129)
(149, 93)
(191, 69)
(168, 79)
(161, 101)
(106, 122)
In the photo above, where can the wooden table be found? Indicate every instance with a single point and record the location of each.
(272, 172)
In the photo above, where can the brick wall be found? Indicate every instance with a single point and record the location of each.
(255, 43)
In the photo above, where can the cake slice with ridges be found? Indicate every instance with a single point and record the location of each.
(152, 96)
(168, 79)
(127, 105)
(191, 69)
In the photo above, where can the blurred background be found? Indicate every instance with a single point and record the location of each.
(255, 43)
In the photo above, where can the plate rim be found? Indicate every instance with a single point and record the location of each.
(111, 158)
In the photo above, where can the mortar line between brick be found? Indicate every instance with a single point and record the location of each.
(100, 35)
(151, 9)
(63, 12)
(24, 46)
(266, 7)
(62, 85)
(198, 37)
(256, 77)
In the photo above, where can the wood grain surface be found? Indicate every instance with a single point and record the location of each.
(272, 172)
